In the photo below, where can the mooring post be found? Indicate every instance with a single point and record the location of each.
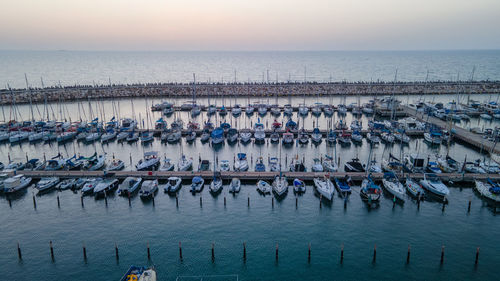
(468, 208)
(277, 254)
(129, 202)
(153, 198)
(180, 250)
(244, 251)
(375, 253)
(418, 202)
(442, 254)
(117, 256)
(296, 202)
(408, 255)
(272, 201)
(345, 202)
(176, 201)
(34, 201)
(444, 204)
(342, 253)
(51, 251)
(477, 256)
(105, 199)
(394, 202)
(248, 200)
(224, 200)
(309, 253)
(19, 254)
(81, 200)
(149, 252)
(213, 252)
(84, 252)
(320, 199)
(201, 202)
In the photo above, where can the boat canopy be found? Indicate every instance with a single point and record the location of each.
(217, 133)
(242, 156)
(197, 180)
(150, 153)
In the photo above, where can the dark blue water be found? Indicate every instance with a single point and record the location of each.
(73, 67)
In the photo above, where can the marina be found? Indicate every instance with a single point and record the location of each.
(318, 179)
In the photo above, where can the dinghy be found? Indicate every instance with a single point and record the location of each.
(173, 185)
(235, 185)
(264, 187)
(148, 189)
(129, 186)
(299, 186)
(197, 184)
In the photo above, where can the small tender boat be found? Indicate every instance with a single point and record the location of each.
(235, 185)
(148, 189)
(232, 136)
(166, 165)
(274, 165)
(324, 187)
(299, 186)
(197, 184)
(433, 184)
(275, 137)
(343, 185)
(245, 135)
(204, 165)
(191, 136)
(303, 137)
(116, 165)
(129, 186)
(185, 163)
(217, 136)
(489, 189)
(370, 191)
(149, 163)
(433, 167)
(414, 188)
(216, 184)
(259, 165)
(95, 163)
(433, 138)
(317, 165)
(88, 187)
(264, 187)
(46, 184)
(66, 184)
(224, 166)
(329, 164)
(280, 185)
(205, 136)
(241, 163)
(259, 133)
(393, 186)
(316, 136)
(105, 187)
(173, 185)
(354, 166)
(15, 183)
(287, 138)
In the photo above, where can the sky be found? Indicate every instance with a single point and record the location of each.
(249, 25)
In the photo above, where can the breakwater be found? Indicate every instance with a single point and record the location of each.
(168, 90)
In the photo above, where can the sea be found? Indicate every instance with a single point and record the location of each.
(264, 224)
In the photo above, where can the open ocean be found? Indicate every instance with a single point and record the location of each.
(163, 225)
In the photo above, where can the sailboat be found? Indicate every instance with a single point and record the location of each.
(325, 187)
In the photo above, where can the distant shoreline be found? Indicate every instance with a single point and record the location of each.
(176, 90)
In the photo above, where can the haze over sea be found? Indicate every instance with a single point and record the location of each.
(88, 67)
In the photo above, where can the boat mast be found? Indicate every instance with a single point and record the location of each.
(29, 94)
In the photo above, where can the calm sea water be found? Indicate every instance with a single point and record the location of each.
(71, 67)
(163, 225)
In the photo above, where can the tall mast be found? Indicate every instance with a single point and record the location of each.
(29, 94)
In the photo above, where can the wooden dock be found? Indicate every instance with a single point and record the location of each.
(459, 133)
(245, 176)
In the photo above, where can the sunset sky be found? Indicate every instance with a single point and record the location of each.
(249, 25)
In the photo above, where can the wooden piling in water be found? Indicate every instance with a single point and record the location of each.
(153, 199)
(477, 256)
(117, 256)
(468, 207)
(408, 255)
(224, 200)
(84, 252)
(81, 200)
(277, 252)
(180, 251)
(244, 251)
(442, 254)
(201, 202)
(58, 202)
(34, 201)
(272, 201)
(309, 253)
(176, 201)
(296, 202)
(105, 199)
(51, 251)
(149, 252)
(19, 254)
(213, 252)
(320, 199)
(341, 253)
(248, 201)
(375, 253)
